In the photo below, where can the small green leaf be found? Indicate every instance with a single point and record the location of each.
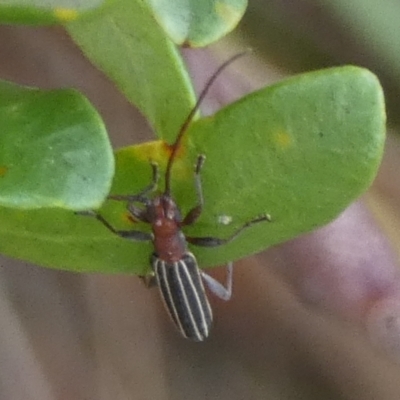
(54, 150)
(198, 23)
(45, 11)
(301, 151)
(130, 47)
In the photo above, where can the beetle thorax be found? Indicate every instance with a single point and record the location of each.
(169, 241)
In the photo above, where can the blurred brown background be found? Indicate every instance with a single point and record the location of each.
(315, 318)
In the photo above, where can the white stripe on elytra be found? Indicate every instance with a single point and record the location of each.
(174, 310)
(185, 298)
(195, 291)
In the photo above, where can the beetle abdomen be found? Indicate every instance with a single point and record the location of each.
(182, 291)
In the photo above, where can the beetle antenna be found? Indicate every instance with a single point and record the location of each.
(190, 117)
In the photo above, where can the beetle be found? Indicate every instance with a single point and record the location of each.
(174, 268)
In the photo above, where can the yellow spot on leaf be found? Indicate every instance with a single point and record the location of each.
(151, 151)
(227, 13)
(283, 139)
(3, 171)
(65, 14)
(159, 152)
(127, 218)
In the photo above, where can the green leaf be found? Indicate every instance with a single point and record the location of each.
(54, 150)
(198, 23)
(301, 151)
(131, 48)
(45, 11)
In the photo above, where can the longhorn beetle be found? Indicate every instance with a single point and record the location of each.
(174, 267)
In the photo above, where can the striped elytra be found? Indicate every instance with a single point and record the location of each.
(182, 290)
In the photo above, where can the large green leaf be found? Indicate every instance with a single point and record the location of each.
(131, 48)
(301, 151)
(54, 150)
(198, 23)
(45, 11)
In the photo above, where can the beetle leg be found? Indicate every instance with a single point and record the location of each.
(134, 235)
(137, 213)
(142, 196)
(221, 291)
(149, 279)
(208, 241)
(195, 212)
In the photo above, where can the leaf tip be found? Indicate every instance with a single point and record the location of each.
(230, 15)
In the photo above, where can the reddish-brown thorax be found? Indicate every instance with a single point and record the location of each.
(169, 241)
